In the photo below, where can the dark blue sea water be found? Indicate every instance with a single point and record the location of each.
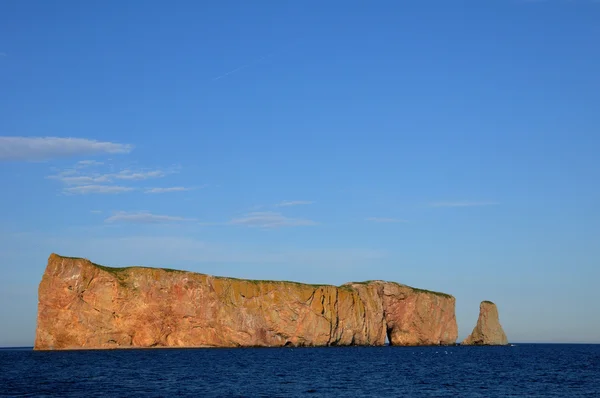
(533, 370)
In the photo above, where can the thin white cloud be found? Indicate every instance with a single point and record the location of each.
(270, 219)
(96, 211)
(143, 218)
(239, 68)
(287, 203)
(138, 175)
(384, 220)
(44, 148)
(81, 179)
(90, 177)
(77, 177)
(168, 189)
(65, 172)
(100, 189)
(88, 163)
(3, 55)
(463, 203)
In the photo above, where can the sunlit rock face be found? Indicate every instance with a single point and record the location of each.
(86, 306)
(488, 330)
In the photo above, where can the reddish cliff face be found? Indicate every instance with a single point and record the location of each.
(418, 317)
(488, 330)
(85, 306)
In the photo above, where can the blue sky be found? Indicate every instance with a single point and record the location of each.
(448, 145)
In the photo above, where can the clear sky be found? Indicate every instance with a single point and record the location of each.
(449, 145)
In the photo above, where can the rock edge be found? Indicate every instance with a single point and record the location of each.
(83, 305)
(488, 330)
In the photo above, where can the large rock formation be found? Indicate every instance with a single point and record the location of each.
(488, 330)
(83, 305)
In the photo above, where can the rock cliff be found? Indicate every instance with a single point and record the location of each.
(87, 306)
(488, 330)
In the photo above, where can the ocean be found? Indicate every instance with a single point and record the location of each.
(533, 370)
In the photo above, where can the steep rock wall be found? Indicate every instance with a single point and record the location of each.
(488, 330)
(86, 306)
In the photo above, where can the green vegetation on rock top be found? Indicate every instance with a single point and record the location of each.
(116, 270)
(122, 269)
(113, 270)
(431, 292)
(257, 281)
(119, 270)
(410, 287)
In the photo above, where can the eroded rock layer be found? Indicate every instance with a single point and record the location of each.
(86, 306)
(488, 330)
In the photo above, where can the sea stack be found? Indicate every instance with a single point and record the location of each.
(488, 330)
(87, 306)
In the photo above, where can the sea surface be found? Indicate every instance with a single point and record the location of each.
(533, 370)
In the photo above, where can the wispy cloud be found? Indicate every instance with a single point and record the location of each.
(88, 163)
(268, 219)
(96, 211)
(143, 218)
(169, 189)
(140, 175)
(3, 55)
(90, 176)
(239, 68)
(286, 203)
(44, 148)
(100, 189)
(81, 180)
(75, 176)
(463, 203)
(384, 220)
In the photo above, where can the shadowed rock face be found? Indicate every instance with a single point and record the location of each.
(83, 306)
(488, 330)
